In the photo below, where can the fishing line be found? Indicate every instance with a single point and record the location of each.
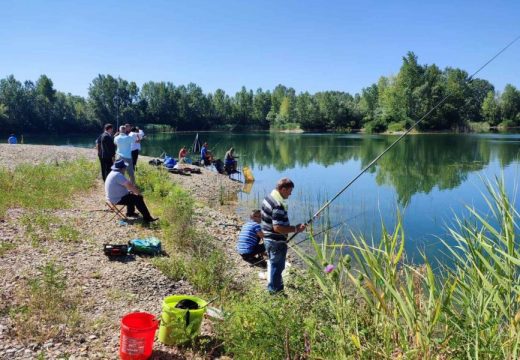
(401, 137)
(316, 234)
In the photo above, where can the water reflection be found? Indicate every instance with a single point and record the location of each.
(428, 177)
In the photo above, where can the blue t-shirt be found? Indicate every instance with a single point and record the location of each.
(11, 140)
(203, 152)
(247, 239)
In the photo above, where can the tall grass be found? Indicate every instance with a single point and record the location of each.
(386, 308)
(45, 186)
(193, 255)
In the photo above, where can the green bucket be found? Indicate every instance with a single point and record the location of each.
(177, 326)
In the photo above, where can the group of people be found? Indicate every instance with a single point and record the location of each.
(117, 154)
(266, 233)
(270, 225)
(230, 162)
(125, 144)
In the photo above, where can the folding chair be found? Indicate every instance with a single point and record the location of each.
(116, 210)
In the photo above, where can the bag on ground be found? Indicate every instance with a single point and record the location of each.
(146, 246)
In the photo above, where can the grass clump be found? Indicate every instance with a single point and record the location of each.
(262, 326)
(46, 309)
(41, 226)
(45, 186)
(5, 247)
(193, 254)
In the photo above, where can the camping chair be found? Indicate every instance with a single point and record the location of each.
(116, 210)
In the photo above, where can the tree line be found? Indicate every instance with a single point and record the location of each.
(393, 103)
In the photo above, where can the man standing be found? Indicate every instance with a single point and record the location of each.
(106, 150)
(119, 190)
(136, 145)
(275, 226)
(124, 150)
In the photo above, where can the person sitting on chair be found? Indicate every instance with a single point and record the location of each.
(230, 162)
(248, 245)
(183, 152)
(121, 191)
(205, 155)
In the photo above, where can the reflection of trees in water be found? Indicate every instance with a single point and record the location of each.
(417, 164)
(420, 164)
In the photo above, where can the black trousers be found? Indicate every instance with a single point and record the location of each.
(135, 201)
(106, 164)
(135, 155)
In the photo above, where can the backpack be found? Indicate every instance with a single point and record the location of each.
(146, 246)
(169, 162)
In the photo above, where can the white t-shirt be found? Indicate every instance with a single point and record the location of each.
(135, 145)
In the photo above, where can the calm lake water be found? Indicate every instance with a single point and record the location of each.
(429, 179)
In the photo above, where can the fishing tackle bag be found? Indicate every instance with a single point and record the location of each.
(146, 246)
(114, 250)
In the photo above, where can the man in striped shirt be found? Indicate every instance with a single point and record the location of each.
(276, 227)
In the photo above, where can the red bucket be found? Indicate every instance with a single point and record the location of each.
(137, 335)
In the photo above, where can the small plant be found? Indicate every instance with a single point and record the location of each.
(46, 308)
(5, 247)
(67, 233)
(173, 267)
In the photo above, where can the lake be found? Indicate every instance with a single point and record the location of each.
(429, 179)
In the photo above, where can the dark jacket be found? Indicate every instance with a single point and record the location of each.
(107, 146)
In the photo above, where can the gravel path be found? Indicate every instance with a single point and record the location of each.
(106, 289)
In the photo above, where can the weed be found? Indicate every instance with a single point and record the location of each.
(36, 187)
(67, 233)
(5, 247)
(46, 308)
(173, 267)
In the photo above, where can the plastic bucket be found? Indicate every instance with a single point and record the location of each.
(137, 335)
(248, 174)
(177, 326)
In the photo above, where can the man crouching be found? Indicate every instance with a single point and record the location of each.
(248, 244)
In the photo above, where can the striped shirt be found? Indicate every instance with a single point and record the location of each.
(248, 238)
(273, 213)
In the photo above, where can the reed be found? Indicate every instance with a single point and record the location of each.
(387, 308)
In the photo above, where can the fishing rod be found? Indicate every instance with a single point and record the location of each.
(318, 233)
(442, 101)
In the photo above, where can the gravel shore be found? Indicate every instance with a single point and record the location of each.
(107, 289)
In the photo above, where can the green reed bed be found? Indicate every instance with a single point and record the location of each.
(386, 308)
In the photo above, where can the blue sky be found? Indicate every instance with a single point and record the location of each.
(309, 45)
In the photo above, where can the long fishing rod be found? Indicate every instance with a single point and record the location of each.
(316, 234)
(401, 137)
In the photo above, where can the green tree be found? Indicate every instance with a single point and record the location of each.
(261, 107)
(113, 100)
(510, 104)
(491, 109)
(242, 107)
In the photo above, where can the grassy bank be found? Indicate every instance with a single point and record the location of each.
(43, 306)
(368, 304)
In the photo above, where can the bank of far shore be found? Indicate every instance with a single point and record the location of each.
(107, 289)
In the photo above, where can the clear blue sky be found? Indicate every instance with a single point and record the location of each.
(309, 45)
